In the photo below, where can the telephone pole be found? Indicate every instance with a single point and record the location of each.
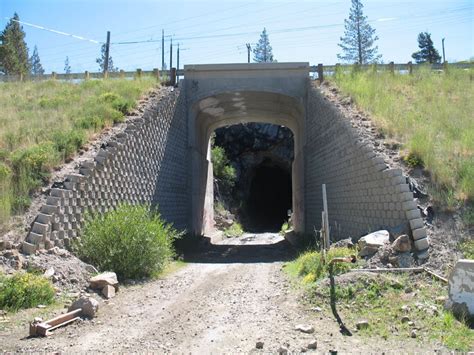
(177, 59)
(444, 57)
(107, 52)
(248, 52)
(171, 53)
(162, 49)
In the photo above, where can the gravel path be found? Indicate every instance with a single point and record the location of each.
(231, 295)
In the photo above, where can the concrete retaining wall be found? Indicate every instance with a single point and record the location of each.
(147, 163)
(363, 194)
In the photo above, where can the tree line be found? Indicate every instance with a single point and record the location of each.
(357, 44)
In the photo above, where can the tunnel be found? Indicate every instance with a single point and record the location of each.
(269, 198)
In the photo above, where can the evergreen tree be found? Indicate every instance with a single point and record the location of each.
(262, 53)
(101, 61)
(427, 52)
(67, 67)
(35, 63)
(359, 37)
(13, 49)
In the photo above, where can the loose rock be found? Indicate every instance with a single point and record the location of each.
(370, 243)
(282, 350)
(402, 244)
(413, 333)
(308, 329)
(89, 306)
(313, 345)
(363, 324)
(108, 291)
(259, 345)
(105, 279)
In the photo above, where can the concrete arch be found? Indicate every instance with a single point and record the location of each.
(233, 107)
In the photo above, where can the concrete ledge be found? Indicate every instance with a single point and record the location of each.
(461, 289)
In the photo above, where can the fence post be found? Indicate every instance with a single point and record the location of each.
(122, 73)
(320, 73)
(173, 77)
(139, 73)
(391, 67)
(410, 68)
(86, 75)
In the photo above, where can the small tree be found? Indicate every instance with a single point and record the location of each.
(427, 52)
(262, 53)
(101, 61)
(359, 37)
(35, 63)
(67, 67)
(13, 50)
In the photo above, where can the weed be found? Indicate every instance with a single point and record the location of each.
(235, 230)
(132, 241)
(285, 227)
(24, 290)
(223, 171)
(467, 248)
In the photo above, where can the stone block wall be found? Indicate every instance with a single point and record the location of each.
(363, 193)
(147, 163)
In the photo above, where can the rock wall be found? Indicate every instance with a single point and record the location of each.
(147, 163)
(363, 193)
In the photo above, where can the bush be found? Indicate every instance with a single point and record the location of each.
(311, 268)
(67, 143)
(235, 230)
(24, 290)
(223, 171)
(132, 241)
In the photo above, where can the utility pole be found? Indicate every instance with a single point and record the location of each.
(162, 49)
(248, 52)
(107, 52)
(444, 57)
(177, 58)
(171, 53)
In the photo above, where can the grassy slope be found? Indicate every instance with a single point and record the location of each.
(44, 123)
(431, 113)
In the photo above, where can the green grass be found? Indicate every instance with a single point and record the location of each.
(24, 290)
(235, 230)
(431, 113)
(45, 123)
(467, 248)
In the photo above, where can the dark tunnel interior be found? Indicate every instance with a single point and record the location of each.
(269, 199)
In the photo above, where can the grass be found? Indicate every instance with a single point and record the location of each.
(431, 114)
(24, 290)
(467, 248)
(45, 123)
(235, 230)
(383, 300)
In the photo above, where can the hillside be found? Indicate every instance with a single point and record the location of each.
(430, 116)
(45, 123)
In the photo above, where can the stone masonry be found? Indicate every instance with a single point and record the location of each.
(147, 163)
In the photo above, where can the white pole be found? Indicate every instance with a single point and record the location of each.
(325, 205)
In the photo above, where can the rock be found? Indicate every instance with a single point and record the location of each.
(362, 324)
(405, 319)
(283, 350)
(89, 306)
(316, 309)
(49, 273)
(402, 244)
(91, 269)
(461, 290)
(100, 281)
(441, 299)
(370, 243)
(413, 333)
(343, 243)
(411, 323)
(108, 291)
(259, 345)
(41, 306)
(308, 329)
(313, 345)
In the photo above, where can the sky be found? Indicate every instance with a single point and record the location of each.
(217, 31)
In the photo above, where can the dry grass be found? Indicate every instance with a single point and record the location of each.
(432, 114)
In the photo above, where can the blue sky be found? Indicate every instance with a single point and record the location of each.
(217, 31)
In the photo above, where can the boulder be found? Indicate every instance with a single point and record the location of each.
(105, 279)
(108, 291)
(402, 244)
(89, 306)
(370, 243)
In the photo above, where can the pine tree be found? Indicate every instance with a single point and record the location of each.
(262, 53)
(101, 61)
(359, 37)
(67, 67)
(13, 49)
(427, 52)
(35, 63)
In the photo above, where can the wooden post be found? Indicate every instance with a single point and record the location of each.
(139, 74)
(173, 77)
(410, 68)
(86, 75)
(122, 73)
(391, 67)
(326, 218)
(320, 74)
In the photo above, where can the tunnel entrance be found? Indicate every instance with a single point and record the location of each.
(269, 198)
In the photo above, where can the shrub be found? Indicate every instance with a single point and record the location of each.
(235, 230)
(223, 171)
(132, 241)
(67, 143)
(467, 248)
(24, 290)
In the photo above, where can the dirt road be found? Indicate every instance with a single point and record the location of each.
(225, 300)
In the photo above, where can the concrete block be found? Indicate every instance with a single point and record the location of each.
(419, 233)
(28, 248)
(461, 289)
(422, 244)
(408, 205)
(43, 218)
(413, 214)
(40, 228)
(53, 201)
(416, 223)
(46, 209)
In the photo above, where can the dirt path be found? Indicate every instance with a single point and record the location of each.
(225, 300)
